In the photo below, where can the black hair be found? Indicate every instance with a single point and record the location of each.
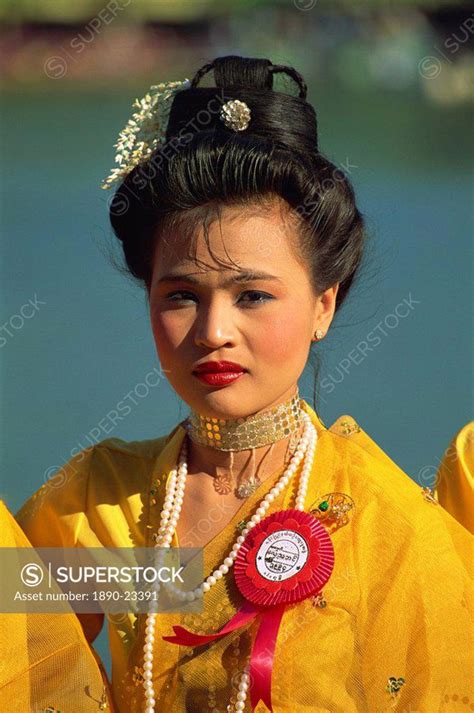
(204, 164)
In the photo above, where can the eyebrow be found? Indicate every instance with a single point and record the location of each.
(244, 276)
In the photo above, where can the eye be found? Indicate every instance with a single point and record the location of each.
(262, 296)
(183, 295)
(173, 295)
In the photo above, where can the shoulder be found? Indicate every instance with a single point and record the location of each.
(105, 474)
(121, 469)
(389, 502)
(142, 449)
(396, 519)
(365, 468)
(118, 453)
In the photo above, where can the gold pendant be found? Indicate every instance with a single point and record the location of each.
(244, 490)
(222, 483)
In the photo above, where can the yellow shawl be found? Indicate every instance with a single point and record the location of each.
(398, 603)
(46, 663)
(454, 482)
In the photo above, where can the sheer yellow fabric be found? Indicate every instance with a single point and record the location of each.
(46, 662)
(455, 477)
(399, 601)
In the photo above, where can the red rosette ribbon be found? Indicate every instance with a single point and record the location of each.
(284, 559)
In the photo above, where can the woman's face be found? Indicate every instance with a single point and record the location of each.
(207, 312)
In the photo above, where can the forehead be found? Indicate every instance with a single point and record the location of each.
(259, 238)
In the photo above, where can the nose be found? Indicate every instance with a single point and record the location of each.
(213, 326)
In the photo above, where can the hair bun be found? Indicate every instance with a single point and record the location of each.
(276, 116)
(233, 71)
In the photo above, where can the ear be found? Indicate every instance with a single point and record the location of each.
(325, 309)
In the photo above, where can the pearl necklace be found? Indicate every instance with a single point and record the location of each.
(169, 520)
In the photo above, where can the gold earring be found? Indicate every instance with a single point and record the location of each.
(319, 334)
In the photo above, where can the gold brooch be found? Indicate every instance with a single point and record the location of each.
(349, 427)
(154, 489)
(137, 676)
(318, 600)
(235, 114)
(428, 494)
(333, 509)
(103, 705)
(394, 684)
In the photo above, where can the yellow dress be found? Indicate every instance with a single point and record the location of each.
(455, 477)
(398, 603)
(46, 663)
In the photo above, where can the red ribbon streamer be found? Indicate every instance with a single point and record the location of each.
(261, 658)
(263, 650)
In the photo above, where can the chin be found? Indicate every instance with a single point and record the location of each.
(223, 403)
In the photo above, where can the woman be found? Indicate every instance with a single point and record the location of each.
(247, 241)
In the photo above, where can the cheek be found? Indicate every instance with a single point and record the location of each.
(168, 331)
(281, 339)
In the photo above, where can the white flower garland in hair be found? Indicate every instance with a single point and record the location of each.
(145, 129)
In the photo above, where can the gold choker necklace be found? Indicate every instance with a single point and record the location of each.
(240, 434)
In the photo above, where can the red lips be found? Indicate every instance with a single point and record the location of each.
(213, 367)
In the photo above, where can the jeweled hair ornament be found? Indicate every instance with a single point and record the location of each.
(235, 114)
(145, 130)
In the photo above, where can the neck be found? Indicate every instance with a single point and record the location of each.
(241, 463)
(261, 461)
